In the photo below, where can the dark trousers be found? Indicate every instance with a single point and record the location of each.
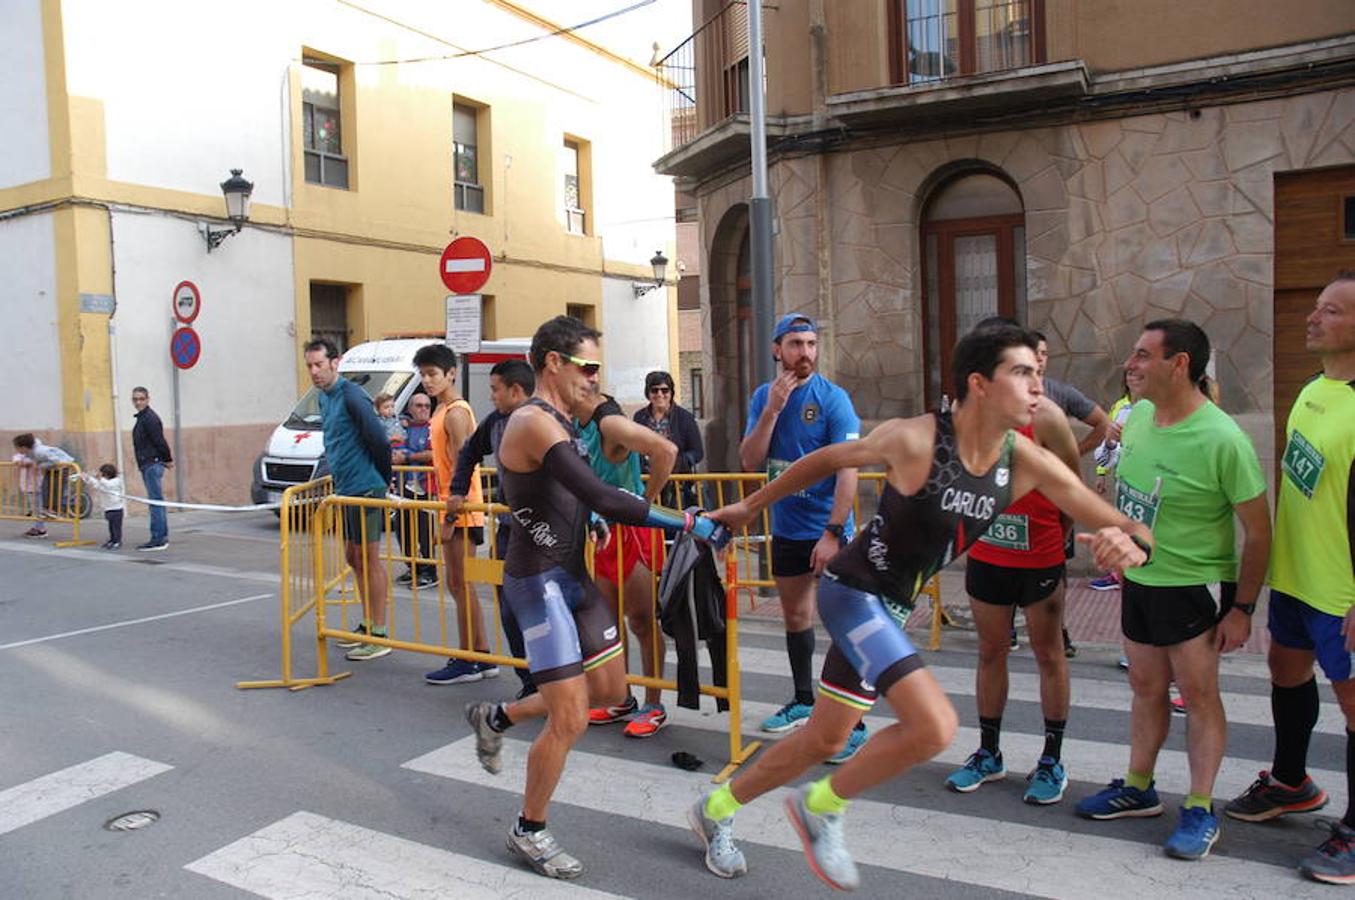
(511, 631)
(114, 519)
(416, 536)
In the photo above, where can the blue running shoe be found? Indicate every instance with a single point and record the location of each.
(457, 671)
(1119, 800)
(717, 835)
(825, 849)
(1047, 782)
(855, 741)
(1334, 861)
(1196, 834)
(981, 768)
(787, 717)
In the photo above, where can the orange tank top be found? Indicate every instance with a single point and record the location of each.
(443, 463)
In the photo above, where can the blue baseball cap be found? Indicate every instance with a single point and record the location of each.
(793, 322)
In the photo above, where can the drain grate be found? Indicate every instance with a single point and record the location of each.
(132, 821)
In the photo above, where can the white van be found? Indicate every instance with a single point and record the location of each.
(296, 448)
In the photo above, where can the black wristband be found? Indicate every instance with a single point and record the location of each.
(835, 530)
(1246, 609)
(1143, 545)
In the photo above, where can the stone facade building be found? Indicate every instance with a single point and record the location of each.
(1083, 165)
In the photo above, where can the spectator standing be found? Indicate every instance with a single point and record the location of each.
(791, 416)
(664, 416)
(110, 490)
(511, 383)
(360, 462)
(152, 458)
(415, 529)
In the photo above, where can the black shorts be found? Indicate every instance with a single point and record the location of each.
(475, 533)
(791, 558)
(1165, 616)
(1007, 586)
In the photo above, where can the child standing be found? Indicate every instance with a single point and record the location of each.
(109, 486)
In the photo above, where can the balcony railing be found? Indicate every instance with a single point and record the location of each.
(715, 56)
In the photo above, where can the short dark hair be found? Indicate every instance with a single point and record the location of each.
(516, 372)
(1039, 336)
(24, 440)
(141, 390)
(325, 344)
(658, 377)
(108, 470)
(563, 334)
(981, 350)
(1184, 336)
(439, 355)
(997, 321)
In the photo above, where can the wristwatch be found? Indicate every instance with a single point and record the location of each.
(834, 529)
(1245, 608)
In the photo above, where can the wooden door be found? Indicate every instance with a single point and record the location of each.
(1314, 238)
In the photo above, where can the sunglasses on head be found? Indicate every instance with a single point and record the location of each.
(588, 366)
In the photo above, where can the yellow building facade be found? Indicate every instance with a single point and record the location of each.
(374, 134)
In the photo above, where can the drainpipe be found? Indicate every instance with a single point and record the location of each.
(113, 346)
(760, 204)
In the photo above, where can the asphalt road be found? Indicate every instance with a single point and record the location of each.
(119, 672)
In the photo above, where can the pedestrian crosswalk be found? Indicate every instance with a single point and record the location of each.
(620, 804)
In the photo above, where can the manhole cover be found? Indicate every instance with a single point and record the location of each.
(132, 821)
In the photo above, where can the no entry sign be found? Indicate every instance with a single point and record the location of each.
(185, 347)
(464, 266)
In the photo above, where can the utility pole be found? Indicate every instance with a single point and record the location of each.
(760, 206)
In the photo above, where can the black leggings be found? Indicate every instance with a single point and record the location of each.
(114, 519)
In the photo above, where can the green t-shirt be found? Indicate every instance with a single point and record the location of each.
(1183, 481)
(1313, 554)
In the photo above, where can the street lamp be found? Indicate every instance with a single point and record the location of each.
(659, 263)
(237, 192)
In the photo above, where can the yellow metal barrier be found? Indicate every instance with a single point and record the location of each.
(48, 495)
(317, 581)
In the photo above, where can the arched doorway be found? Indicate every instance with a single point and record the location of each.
(731, 345)
(973, 264)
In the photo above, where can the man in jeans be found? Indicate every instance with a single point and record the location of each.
(152, 458)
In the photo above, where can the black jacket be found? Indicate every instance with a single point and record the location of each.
(148, 440)
(692, 609)
(682, 431)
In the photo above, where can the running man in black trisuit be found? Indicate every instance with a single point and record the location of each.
(573, 643)
(947, 478)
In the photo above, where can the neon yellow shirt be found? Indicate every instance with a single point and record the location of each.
(1183, 481)
(1313, 554)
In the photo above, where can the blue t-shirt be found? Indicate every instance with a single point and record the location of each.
(818, 413)
(416, 441)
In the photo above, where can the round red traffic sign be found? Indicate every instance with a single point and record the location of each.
(185, 347)
(187, 302)
(464, 266)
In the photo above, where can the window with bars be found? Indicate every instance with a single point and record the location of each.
(322, 125)
(575, 217)
(470, 193)
(932, 40)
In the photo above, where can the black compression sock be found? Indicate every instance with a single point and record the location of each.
(527, 826)
(1294, 710)
(1053, 738)
(800, 648)
(1349, 819)
(990, 733)
(499, 720)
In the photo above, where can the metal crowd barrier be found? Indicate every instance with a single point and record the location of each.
(319, 590)
(50, 495)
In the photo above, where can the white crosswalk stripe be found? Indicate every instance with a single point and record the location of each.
(1048, 861)
(57, 792)
(307, 855)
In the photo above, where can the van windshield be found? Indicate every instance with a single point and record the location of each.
(306, 415)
